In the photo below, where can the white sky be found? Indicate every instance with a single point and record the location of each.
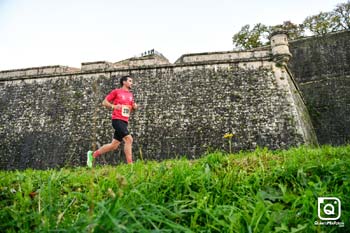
(68, 32)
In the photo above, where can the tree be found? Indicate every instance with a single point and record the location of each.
(294, 30)
(319, 24)
(247, 39)
(341, 16)
(258, 35)
(326, 22)
(322, 23)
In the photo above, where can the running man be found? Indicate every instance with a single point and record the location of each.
(121, 101)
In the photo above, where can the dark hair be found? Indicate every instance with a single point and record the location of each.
(124, 78)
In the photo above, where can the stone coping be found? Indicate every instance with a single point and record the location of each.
(193, 59)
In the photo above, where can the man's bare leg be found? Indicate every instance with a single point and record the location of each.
(107, 148)
(128, 148)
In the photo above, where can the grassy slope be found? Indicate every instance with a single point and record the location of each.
(260, 191)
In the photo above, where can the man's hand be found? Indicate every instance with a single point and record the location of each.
(134, 106)
(118, 106)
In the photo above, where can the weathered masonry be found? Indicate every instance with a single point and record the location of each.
(50, 116)
(321, 67)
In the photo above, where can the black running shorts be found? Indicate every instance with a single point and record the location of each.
(121, 129)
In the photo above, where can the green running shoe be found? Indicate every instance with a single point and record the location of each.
(90, 158)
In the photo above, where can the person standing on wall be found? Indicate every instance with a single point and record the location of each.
(121, 101)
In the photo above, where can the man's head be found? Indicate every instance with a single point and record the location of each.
(126, 81)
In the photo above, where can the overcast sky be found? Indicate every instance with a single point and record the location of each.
(68, 32)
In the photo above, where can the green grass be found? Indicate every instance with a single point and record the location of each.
(259, 191)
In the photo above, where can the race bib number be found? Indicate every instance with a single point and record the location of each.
(125, 111)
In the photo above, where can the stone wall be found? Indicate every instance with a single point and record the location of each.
(321, 66)
(51, 120)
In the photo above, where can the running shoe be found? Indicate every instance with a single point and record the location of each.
(90, 158)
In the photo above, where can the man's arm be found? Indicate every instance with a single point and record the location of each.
(107, 104)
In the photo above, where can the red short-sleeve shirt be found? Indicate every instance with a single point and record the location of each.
(125, 99)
